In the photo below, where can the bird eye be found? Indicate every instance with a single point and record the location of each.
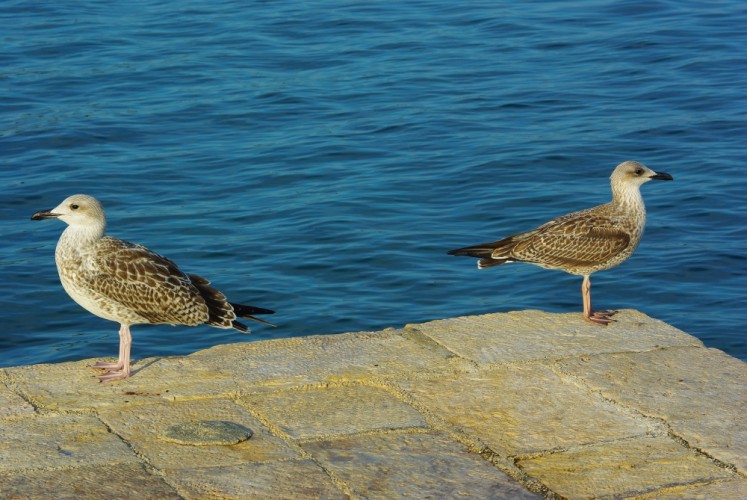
(639, 171)
(74, 206)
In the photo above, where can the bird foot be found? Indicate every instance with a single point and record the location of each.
(603, 318)
(109, 367)
(108, 377)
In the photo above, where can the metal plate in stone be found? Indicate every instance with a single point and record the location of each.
(207, 433)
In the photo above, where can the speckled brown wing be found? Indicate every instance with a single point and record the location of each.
(146, 283)
(574, 244)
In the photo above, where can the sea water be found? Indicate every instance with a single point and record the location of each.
(320, 158)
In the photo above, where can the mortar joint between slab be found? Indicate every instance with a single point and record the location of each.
(509, 467)
(660, 427)
(143, 459)
(12, 385)
(700, 452)
(472, 443)
(657, 426)
(410, 332)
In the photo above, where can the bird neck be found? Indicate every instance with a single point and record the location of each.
(79, 236)
(627, 198)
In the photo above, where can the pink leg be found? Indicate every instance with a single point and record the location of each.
(600, 317)
(120, 369)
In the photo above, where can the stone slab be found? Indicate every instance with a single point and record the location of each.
(13, 405)
(521, 409)
(328, 411)
(144, 426)
(701, 393)
(73, 386)
(286, 480)
(622, 468)
(532, 335)
(412, 465)
(122, 480)
(313, 360)
(59, 441)
(718, 490)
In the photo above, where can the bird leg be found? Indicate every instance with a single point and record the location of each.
(120, 369)
(599, 317)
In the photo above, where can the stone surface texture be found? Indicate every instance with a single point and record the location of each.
(518, 405)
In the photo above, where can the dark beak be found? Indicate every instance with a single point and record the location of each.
(662, 176)
(44, 214)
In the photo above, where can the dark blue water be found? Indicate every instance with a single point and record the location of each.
(319, 158)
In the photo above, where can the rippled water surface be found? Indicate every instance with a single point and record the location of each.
(319, 158)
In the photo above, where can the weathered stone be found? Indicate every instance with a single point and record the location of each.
(524, 409)
(412, 465)
(143, 425)
(530, 335)
(290, 479)
(12, 405)
(207, 433)
(718, 490)
(393, 414)
(701, 393)
(73, 386)
(117, 480)
(60, 441)
(311, 360)
(622, 468)
(327, 411)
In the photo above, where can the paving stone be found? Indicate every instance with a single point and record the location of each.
(721, 490)
(701, 393)
(524, 409)
(311, 360)
(530, 335)
(412, 465)
(122, 480)
(589, 411)
(59, 441)
(144, 425)
(290, 479)
(623, 468)
(326, 411)
(73, 386)
(13, 405)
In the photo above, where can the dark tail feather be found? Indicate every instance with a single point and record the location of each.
(485, 263)
(484, 252)
(243, 311)
(479, 251)
(219, 311)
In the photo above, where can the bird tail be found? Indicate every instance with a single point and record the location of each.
(221, 313)
(247, 312)
(491, 254)
(482, 252)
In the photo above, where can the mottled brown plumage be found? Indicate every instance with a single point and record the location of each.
(583, 242)
(127, 283)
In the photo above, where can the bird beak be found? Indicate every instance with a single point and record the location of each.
(662, 176)
(44, 214)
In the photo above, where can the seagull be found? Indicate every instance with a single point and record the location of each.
(583, 242)
(127, 283)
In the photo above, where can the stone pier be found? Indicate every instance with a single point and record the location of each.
(518, 405)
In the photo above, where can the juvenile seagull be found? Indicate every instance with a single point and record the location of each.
(129, 284)
(582, 242)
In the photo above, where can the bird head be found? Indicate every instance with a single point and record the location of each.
(77, 210)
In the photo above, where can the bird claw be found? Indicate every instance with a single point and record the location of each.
(108, 377)
(603, 318)
(109, 367)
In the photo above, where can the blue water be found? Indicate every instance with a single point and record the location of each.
(319, 157)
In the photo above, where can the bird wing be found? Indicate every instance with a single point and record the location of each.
(144, 282)
(573, 242)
